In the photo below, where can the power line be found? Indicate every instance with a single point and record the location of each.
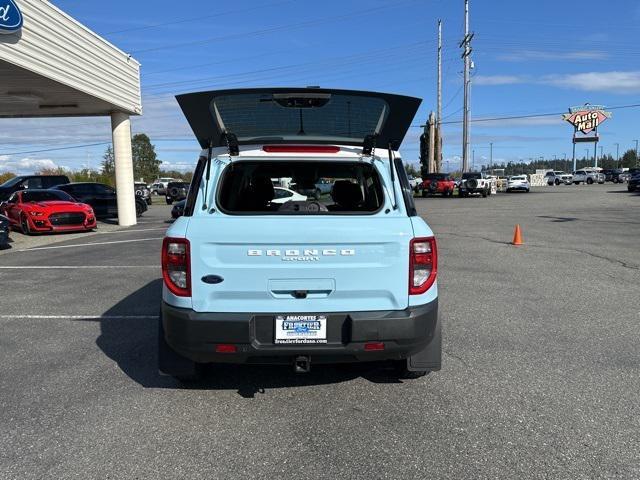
(202, 17)
(191, 139)
(273, 29)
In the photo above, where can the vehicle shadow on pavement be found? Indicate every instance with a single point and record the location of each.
(132, 343)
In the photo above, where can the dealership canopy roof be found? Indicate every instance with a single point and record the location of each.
(54, 66)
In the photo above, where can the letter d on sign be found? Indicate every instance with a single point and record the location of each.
(10, 17)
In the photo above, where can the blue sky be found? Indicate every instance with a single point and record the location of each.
(530, 58)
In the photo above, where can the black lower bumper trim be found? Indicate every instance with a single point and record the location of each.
(195, 335)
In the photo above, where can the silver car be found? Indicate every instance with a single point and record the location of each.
(558, 177)
(588, 177)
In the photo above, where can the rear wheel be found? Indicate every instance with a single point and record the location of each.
(589, 181)
(576, 183)
(24, 225)
(169, 201)
(484, 193)
(557, 182)
(140, 209)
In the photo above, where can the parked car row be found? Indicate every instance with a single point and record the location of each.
(50, 203)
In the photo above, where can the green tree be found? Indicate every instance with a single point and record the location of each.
(109, 163)
(629, 159)
(411, 170)
(145, 161)
(6, 176)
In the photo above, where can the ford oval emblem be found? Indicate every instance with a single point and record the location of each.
(10, 17)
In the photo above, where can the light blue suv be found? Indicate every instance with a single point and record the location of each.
(348, 277)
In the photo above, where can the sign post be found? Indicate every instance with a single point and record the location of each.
(586, 119)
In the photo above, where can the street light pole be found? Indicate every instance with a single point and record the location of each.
(490, 155)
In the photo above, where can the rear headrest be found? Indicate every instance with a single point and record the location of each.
(262, 190)
(347, 194)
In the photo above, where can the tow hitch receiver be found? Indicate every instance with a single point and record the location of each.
(302, 364)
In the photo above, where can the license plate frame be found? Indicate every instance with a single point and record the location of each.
(299, 329)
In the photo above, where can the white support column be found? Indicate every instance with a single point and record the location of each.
(121, 132)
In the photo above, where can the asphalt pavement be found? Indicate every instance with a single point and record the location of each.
(540, 378)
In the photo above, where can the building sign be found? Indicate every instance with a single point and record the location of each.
(586, 118)
(10, 17)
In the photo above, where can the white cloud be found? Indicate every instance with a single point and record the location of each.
(613, 82)
(493, 80)
(533, 55)
(24, 165)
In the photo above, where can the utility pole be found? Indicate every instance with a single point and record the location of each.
(473, 159)
(636, 152)
(432, 142)
(439, 108)
(466, 43)
(490, 155)
(617, 154)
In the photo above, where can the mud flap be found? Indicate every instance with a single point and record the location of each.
(172, 363)
(429, 359)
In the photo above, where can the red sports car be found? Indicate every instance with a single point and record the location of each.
(437, 183)
(41, 211)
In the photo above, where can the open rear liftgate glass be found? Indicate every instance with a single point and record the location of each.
(298, 116)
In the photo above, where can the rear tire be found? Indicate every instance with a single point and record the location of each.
(589, 181)
(173, 364)
(576, 183)
(557, 182)
(484, 193)
(24, 225)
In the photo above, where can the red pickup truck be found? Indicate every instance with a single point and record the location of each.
(434, 183)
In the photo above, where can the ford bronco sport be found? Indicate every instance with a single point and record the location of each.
(349, 277)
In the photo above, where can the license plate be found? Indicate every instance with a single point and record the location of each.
(307, 329)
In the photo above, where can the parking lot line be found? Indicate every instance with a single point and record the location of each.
(72, 267)
(79, 317)
(132, 231)
(90, 244)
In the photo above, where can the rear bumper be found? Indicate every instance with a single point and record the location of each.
(195, 335)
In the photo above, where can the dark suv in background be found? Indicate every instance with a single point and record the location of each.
(25, 182)
(176, 191)
(102, 198)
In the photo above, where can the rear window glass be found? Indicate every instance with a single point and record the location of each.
(307, 115)
(322, 188)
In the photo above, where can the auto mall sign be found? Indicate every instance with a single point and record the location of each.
(586, 118)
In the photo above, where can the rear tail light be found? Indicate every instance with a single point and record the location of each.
(423, 264)
(176, 266)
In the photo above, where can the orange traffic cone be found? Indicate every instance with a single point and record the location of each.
(517, 236)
